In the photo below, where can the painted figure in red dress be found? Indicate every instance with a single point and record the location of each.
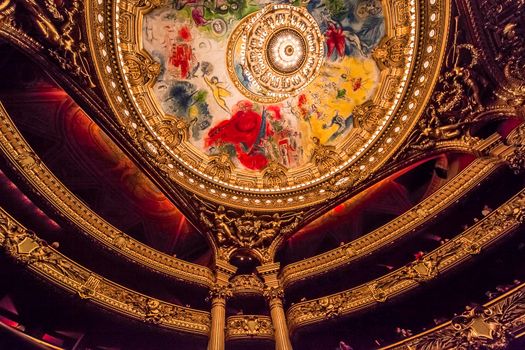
(247, 131)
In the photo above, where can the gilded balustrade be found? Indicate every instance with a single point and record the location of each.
(394, 230)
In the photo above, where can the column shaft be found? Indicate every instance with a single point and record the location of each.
(282, 338)
(218, 324)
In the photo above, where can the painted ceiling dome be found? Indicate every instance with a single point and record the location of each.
(260, 104)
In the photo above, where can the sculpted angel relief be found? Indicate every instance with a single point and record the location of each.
(195, 41)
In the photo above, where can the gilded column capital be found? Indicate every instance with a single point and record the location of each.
(271, 293)
(218, 291)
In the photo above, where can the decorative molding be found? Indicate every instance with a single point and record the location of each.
(247, 285)
(249, 327)
(231, 230)
(39, 177)
(271, 293)
(55, 28)
(347, 253)
(219, 291)
(25, 247)
(491, 228)
(491, 326)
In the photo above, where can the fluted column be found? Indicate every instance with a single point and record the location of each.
(274, 294)
(218, 321)
(282, 337)
(219, 293)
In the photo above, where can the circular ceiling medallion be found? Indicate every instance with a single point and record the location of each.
(263, 105)
(275, 53)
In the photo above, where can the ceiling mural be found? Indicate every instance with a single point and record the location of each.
(211, 54)
(255, 104)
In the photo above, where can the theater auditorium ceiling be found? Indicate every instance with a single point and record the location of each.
(251, 174)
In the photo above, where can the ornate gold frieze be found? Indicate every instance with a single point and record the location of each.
(446, 196)
(38, 176)
(246, 285)
(493, 227)
(491, 326)
(249, 327)
(25, 247)
(231, 230)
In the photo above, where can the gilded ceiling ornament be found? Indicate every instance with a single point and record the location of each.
(324, 157)
(280, 50)
(140, 69)
(391, 52)
(57, 28)
(233, 230)
(507, 38)
(368, 115)
(274, 175)
(220, 167)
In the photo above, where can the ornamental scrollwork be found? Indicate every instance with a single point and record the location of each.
(140, 69)
(324, 157)
(218, 291)
(479, 327)
(453, 106)
(25, 247)
(89, 288)
(368, 115)
(274, 175)
(249, 326)
(504, 20)
(173, 130)
(220, 167)
(57, 28)
(233, 230)
(516, 159)
(391, 52)
(271, 293)
(247, 284)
